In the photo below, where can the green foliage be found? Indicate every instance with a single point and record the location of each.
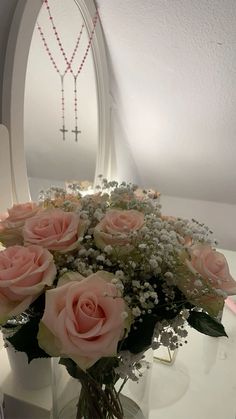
(140, 336)
(206, 324)
(25, 340)
(72, 368)
(102, 372)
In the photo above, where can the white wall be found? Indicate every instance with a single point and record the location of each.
(172, 65)
(220, 218)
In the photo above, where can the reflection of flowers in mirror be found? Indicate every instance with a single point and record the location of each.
(84, 187)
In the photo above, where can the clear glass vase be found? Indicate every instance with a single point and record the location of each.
(70, 398)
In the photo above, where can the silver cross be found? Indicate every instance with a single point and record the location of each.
(76, 132)
(64, 130)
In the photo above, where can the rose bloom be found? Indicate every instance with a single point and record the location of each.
(20, 212)
(11, 224)
(212, 266)
(55, 229)
(115, 228)
(3, 216)
(207, 280)
(83, 319)
(24, 273)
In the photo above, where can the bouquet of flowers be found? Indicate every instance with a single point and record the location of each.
(100, 278)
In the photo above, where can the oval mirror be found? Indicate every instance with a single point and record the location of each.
(55, 99)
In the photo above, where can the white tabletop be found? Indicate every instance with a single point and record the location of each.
(202, 382)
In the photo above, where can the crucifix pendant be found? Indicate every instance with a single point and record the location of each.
(64, 130)
(76, 132)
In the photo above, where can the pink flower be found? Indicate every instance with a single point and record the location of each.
(212, 266)
(115, 228)
(3, 216)
(20, 212)
(55, 230)
(11, 225)
(206, 281)
(83, 319)
(24, 273)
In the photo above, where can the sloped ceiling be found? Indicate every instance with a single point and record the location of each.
(173, 77)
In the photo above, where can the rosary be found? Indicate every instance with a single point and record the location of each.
(69, 62)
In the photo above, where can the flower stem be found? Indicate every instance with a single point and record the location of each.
(100, 402)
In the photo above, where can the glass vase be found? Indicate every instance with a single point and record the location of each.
(73, 400)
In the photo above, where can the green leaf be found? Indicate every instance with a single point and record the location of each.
(206, 324)
(141, 338)
(72, 368)
(25, 340)
(104, 370)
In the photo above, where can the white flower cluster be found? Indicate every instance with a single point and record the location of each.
(132, 366)
(171, 333)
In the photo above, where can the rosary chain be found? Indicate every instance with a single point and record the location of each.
(69, 63)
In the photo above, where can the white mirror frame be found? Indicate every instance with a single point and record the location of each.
(18, 47)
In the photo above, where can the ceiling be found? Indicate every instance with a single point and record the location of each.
(173, 77)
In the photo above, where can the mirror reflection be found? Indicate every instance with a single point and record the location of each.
(60, 110)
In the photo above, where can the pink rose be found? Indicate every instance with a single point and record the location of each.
(55, 230)
(24, 273)
(11, 225)
(205, 280)
(83, 319)
(3, 216)
(115, 228)
(212, 266)
(20, 212)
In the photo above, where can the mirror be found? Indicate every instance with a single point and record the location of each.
(60, 140)
(32, 99)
